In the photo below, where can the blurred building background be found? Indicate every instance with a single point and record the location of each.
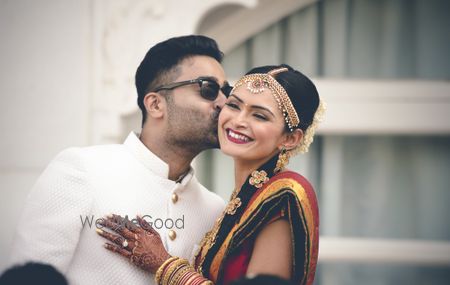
(380, 164)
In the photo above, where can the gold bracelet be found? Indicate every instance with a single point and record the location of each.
(161, 269)
(186, 275)
(175, 273)
(171, 279)
(173, 266)
(199, 279)
(180, 274)
(190, 277)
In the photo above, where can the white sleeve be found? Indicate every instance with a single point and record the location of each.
(50, 226)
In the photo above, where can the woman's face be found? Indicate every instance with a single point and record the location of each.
(251, 126)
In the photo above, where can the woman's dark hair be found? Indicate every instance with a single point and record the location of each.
(305, 99)
(161, 61)
(300, 89)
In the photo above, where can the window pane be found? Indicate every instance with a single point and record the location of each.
(387, 186)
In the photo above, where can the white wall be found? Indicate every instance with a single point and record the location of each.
(45, 62)
(66, 79)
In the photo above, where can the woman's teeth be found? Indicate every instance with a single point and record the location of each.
(237, 136)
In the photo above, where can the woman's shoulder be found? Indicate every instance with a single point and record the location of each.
(288, 183)
(289, 178)
(287, 190)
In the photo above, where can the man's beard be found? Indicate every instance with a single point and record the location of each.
(188, 129)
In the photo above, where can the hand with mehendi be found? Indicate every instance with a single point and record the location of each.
(141, 244)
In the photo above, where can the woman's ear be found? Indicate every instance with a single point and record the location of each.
(155, 105)
(292, 139)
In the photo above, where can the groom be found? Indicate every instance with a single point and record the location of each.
(181, 89)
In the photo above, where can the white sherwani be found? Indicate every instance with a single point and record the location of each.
(89, 183)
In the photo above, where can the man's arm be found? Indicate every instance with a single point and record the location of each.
(50, 226)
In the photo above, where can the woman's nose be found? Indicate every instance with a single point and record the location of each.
(241, 120)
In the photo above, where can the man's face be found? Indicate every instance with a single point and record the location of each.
(192, 120)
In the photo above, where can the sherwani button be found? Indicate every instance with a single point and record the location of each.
(174, 198)
(172, 234)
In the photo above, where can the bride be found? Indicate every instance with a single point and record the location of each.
(271, 223)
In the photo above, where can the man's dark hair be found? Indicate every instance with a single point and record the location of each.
(160, 63)
(32, 273)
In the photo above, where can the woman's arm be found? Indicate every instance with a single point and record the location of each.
(143, 247)
(272, 253)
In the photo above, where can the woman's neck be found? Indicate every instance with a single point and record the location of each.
(241, 172)
(242, 169)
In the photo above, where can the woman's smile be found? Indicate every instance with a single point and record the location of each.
(237, 137)
(251, 126)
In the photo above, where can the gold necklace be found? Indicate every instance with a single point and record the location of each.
(210, 238)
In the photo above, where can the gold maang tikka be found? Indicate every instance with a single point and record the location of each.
(257, 82)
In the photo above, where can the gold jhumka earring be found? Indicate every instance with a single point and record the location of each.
(283, 160)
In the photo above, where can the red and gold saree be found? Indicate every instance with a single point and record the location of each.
(226, 254)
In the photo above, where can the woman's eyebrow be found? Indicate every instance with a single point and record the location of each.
(252, 106)
(239, 99)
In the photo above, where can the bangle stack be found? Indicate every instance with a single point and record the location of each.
(178, 271)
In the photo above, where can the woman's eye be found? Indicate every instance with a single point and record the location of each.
(260, 117)
(232, 105)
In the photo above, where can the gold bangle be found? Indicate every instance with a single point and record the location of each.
(173, 266)
(189, 280)
(192, 278)
(186, 276)
(175, 274)
(160, 270)
(180, 274)
(199, 279)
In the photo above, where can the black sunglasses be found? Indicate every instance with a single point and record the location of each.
(209, 88)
